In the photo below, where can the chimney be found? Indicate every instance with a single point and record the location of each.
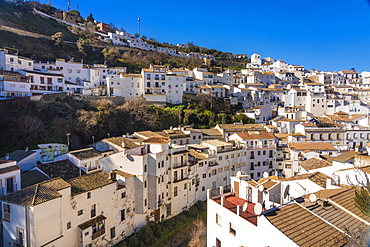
(7, 156)
(222, 200)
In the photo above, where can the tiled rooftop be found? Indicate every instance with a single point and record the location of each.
(89, 182)
(316, 177)
(314, 163)
(304, 228)
(64, 169)
(86, 153)
(38, 193)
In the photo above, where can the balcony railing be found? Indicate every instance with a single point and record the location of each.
(261, 146)
(98, 233)
(181, 164)
(176, 180)
(213, 164)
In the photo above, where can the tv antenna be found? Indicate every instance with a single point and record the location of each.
(257, 209)
(138, 20)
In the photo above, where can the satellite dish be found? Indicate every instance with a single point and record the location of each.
(265, 174)
(238, 174)
(313, 198)
(286, 192)
(245, 206)
(257, 209)
(260, 188)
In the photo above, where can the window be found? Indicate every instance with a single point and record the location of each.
(6, 212)
(78, 71)
(220, 158)
(232, 229)
(145, 184)
(145, 202)
(145, 168)
(159, 180)
(88, 195)
(69, 70)
(68, 225)
(204, 175)
(42, 79)
(113, 232)
(93, 210)
(163, 77)
(159, 164)
(123, 194)
(49, 79)
(156, 77)
(175, 191)
(80, 212)
(123, 214)
(218, 219)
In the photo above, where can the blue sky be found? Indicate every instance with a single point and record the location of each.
(326, 35)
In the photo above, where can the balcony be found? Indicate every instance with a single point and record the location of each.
(260, 146)
(179, 165)
(211, 164)
(98, 233)
(176, 180)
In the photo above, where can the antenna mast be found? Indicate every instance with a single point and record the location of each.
(69, 5)
(49, 2)
(138, 20)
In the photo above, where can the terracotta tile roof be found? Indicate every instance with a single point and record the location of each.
(89, 182)
(288, 120)
(64, 169)
(346, 156)
(32, 177)
(316, 177)
(270, 178)
(123, 174)
(157, 140)
(197, 155)
(349, 72)
(38, 193)
(314, 163)
(210, 132)
(309, 125)
(268, 184)
(86, 153)
(338, 217)
(9, 169)
(261, 135)
(241, 126)
(147, 134)
(312, 146)
(305, 228)
(345, 200)
(128, 143)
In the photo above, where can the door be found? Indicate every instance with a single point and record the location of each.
(9, 185)
(236, 188)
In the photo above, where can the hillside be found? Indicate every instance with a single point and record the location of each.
(82, 45)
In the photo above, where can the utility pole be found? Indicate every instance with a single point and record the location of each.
(138, 20)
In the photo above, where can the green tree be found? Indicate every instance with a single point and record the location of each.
(110, 56)
(90, 18)
(58, 38)
(362, 199)
(82, 44)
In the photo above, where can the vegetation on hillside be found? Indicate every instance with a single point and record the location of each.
(25, 123)
(156, 234)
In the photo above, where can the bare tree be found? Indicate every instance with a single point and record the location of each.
(198, 234)
(28, 129)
